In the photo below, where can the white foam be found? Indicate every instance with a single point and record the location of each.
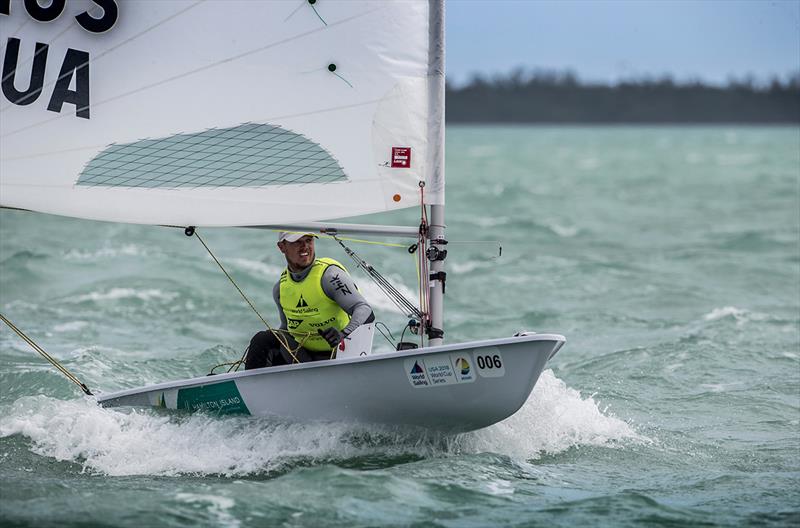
(72, 326)
(488, 221)
(740, 315)
(500, 487)
(563, 231)
(130, 442)
(555, 418)
(257, 267)
(115, 294)
(217, 507)
(128, 250)
(466, 266)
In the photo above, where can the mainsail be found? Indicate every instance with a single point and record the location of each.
(221, 113)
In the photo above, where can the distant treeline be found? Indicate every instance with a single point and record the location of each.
(547, 97)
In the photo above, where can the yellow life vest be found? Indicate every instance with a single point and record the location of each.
(308, 309)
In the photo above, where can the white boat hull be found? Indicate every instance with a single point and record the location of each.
(452, 388)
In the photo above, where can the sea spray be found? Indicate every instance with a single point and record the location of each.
(148, 442)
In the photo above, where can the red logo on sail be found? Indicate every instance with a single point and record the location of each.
(401, 157)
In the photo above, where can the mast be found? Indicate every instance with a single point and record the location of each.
(436, 91)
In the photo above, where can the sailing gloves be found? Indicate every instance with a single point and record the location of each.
(332, 336)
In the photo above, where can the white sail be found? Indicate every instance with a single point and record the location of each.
(221, 112)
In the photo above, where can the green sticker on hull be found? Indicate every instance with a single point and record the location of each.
(219, 398)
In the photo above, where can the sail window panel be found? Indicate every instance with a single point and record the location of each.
(180, 171)
(238, 158)
(250, 155)
(196, 147)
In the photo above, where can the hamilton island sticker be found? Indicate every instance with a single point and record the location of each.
(439, 370)
(218, 398)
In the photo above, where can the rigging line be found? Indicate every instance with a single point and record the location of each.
(113, 48)
(374, 242)
(342, 78)
(348, 239)
(232, 58)
(47, 356)
(283, 341)
(389, 288)
(383, 334)
(322, 19)
(399, 300)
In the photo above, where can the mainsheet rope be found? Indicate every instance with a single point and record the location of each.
(277, 332)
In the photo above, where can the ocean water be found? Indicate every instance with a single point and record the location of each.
(669, 257)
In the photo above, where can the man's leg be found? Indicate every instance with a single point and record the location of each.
(264, 351)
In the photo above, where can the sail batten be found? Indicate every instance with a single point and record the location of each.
(222, 112)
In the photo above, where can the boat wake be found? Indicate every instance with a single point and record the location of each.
(146, 442)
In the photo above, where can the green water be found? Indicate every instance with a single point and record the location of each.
(669, 258)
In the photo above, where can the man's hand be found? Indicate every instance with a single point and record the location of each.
(332, 336)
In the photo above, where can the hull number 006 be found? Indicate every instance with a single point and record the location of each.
(489, 362)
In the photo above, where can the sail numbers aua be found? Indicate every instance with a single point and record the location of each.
(74, 65)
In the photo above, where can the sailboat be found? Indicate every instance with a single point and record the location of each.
(272, 114)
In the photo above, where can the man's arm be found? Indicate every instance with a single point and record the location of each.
(339, 286)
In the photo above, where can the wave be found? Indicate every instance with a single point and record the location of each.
(127, 250)
(71, 326)
(257, 267)
(554, 419)
(741, 316)
(115, 294)
(135, 442)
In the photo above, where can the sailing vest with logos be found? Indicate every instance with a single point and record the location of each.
(308, 309)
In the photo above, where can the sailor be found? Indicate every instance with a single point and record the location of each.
(318, 303)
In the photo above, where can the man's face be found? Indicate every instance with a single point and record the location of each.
(299, 255)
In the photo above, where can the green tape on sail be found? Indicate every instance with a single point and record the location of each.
(219, 398)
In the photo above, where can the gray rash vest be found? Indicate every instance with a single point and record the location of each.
(340, 288)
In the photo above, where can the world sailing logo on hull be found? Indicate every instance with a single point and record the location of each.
(416, 373)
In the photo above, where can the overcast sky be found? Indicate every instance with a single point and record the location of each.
(605, 40)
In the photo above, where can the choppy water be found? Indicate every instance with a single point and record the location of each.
(669, 257)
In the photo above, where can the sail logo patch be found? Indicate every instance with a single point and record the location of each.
(301, 303)
(401, 157)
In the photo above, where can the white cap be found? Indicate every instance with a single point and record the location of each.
(291, 236)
